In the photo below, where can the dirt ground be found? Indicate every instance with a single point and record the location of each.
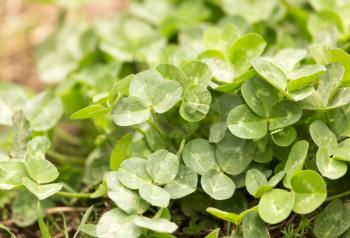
(26, 23)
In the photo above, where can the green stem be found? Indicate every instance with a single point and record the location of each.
(65, 158)
(340, 195)
(154, 124)
(228, 230)
(74, 195)
(68, 137)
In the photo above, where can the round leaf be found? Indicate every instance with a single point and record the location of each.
(156, 224)
(195, 103)
(218, 185)
(41, 191)
(284, 113)
(185, 183)
(329, 167)
(155, 195)
(162, 166)
(130, 111)
(254, 179)
(295, 161)
(310, 191)
(199, 155)
(132, 173)
(234, 154)
(254, 227)
(197, 73)
(259, 95)
(43, 111)
(127, 200)
(285, 136)
(276, 205)
(154, 91)
(244, 50)
(242, 122)
(41, 170)
(323, 137)
(270, 72)
(116, 223)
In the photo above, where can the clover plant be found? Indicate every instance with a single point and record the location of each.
(186, 119)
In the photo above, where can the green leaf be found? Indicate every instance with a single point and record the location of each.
(276, 205)
(284, 113)
(40, 169)
(260, 96)
(234, 154)
(213, 234)
(254, 179)
(133, 174)
(22, 133)
(310, 191)
(288, 58)
(217, 132)
(162, 166)
(120, 152)
(251, 11)
(41, 191)
(222, 70)
(242, 122)
(6, 114)
(340, 56)
(329, 167)
(340, 120)
(333, 220)
(127, 200)
(295, 161)
(195, 103)
(254, 227)
(244, 49)
(91, 111)
(229, 216)
(284, 137)
(199, 155)
(156, 224)
(42, 225)
(116, 223)
(130, 111)
(323, 137)
(154, 91)
(43, 111)
(155, 195)
(11, 174)
(184, 183)
(171, 72)
(37, 147)
(197, 73)
(270, 72)
(218, 185)
(343, 152)
(304, 76)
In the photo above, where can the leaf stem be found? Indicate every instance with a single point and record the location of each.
(73, 195)
(64, 158)
(68, 137)
(340, 195)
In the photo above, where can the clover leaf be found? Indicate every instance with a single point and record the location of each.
(115, 223)
(310, 191)
(199, 155)
(162, 166)
(218, 185)
(127, 200)
(276, 205)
